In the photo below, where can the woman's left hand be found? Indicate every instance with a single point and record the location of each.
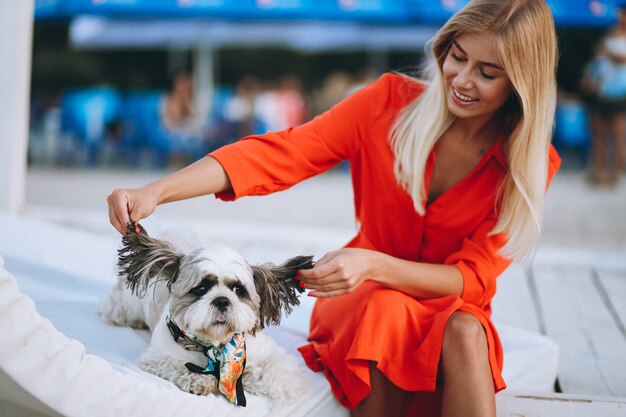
(339, 272)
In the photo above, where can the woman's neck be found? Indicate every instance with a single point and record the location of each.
(477, 131)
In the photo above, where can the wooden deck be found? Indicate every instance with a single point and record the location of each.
(582, 307)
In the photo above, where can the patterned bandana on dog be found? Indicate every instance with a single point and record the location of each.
(225, 362)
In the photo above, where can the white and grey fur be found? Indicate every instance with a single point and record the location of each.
(212, 293)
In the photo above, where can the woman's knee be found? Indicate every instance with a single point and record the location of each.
(464, 336)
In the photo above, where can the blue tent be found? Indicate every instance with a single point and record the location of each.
(375, 11)
(394, 12)
(566, 12)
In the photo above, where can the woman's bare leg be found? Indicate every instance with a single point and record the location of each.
(467, 381)
(598, 126)
(385, 399)
(618, 125)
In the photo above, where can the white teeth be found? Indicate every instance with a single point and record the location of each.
(462, 97)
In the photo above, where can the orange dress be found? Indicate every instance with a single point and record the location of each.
(403, 335)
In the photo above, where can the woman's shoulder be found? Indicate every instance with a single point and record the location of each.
(399, 89)
(404, 85)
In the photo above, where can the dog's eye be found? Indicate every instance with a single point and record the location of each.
(199, 291)
(202, 289)
(240, 291)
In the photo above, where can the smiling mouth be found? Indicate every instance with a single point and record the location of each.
(220, 322)
(463, 98)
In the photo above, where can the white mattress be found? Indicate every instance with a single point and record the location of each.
(64, 360)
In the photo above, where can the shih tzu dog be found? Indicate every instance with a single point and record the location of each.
(206, 310)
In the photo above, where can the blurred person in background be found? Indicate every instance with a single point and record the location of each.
(449, 182)
(178, 108)
(292, 105)
(334, 88)
(183, 118)
(604, 83)
(241, 109)
(361, 78)
(282, 104)
(593, 75)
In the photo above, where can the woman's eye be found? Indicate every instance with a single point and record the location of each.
(487, 76)
(456, 57)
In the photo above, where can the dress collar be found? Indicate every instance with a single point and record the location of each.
(497, 151)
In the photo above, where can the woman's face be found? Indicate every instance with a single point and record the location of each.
(476, 84)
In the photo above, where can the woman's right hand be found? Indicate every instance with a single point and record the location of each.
(130, 205)
(205, 176)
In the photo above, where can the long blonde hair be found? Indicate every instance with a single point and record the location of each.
(525, 41)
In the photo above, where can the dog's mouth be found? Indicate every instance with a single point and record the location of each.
(220, 321)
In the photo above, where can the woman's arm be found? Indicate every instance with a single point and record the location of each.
(203, 177)
(262, 164)
(342, 271)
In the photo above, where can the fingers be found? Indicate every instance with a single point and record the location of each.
(322, 268)
(118, 212)
(127, 205)
(334, 282)
(120, 209)
(113, 217)
(329, 277)
(326, 258)
(317, 273)
(328, 294)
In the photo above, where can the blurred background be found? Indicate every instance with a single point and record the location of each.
(157, 83)
(123, 91)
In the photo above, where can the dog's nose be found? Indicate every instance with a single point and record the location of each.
(221, 303)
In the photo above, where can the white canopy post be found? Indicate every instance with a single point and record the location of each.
(204, 76)
(16, 28)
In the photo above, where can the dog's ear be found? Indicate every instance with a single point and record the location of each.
(278, 289)
(142, 258)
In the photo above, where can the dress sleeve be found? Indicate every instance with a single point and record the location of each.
(274, 161)
(479, 260)
(480, 263)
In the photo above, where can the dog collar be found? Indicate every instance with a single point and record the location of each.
(226, 362)
(186, 338)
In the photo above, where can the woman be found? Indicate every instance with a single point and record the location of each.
(609, 85)
(449, 178)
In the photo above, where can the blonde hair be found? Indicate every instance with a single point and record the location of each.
(525, 42)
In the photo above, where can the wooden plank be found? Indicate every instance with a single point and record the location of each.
(613, 282)
(576, 317)
(533, 405)
(513, 304)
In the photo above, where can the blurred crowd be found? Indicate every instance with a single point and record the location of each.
(102, 126)
(604, 91)
(107, 126)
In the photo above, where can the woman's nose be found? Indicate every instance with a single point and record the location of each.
(463, 77)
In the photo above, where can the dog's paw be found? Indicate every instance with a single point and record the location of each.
(199, 384)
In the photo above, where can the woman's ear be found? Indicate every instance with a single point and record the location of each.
(143, 258)
(278, 289)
